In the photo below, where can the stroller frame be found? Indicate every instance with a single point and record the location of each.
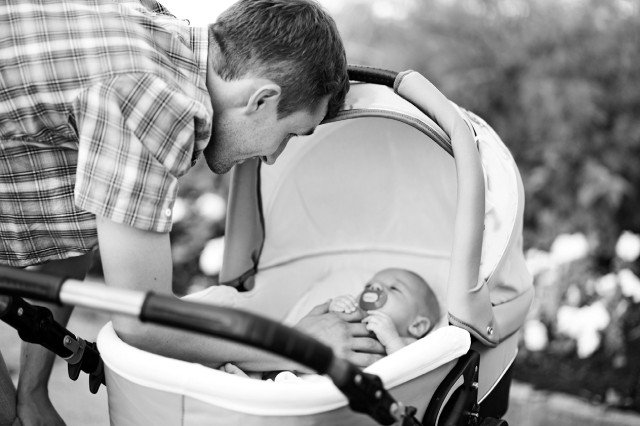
(459, 403)
(492, 320)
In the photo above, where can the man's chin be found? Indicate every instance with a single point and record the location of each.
(218, 167)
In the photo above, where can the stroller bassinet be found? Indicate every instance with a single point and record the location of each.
(372, 188)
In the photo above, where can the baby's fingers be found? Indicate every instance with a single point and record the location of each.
(233, 369)
(349, 304)
(346, 307)
(370, 326)
(371, 323)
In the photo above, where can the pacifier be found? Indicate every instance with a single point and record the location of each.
(372, 298)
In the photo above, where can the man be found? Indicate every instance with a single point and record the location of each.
(104, 105)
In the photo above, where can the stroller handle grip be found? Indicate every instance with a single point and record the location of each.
(24, 283)
(372, 75)
(228, 323)
(239, 326)
(364, 391)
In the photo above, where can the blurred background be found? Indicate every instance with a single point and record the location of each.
(559, 80)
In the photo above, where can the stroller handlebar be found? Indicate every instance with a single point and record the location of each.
(372, 75)
(239, 326)
(36, 285)
(365, 392)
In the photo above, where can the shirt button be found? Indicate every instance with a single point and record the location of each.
(167, 212)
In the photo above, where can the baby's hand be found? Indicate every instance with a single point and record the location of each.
(384, 328)
(233, 369)
(346, 304)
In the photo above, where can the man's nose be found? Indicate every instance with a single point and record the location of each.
(270, 159)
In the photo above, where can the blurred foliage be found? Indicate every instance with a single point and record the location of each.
(558, 80)
(582, 335)
(192, 231)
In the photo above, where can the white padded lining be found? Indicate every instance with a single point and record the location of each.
(268, 398)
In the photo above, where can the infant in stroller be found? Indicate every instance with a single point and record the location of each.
(398, 306)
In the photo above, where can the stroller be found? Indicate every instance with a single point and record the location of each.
(372, 188)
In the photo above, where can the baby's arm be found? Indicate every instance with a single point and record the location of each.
(346, 304)
(384, 328)
(233, 369)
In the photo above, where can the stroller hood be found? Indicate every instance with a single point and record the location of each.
(385, 148)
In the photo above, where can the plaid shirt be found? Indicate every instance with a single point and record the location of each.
(103, 105)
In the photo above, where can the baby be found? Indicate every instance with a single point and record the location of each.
(400, 306)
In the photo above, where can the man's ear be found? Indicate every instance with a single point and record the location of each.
(265, 96)
(420, 326)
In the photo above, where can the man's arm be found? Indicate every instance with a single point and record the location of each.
(141, 260)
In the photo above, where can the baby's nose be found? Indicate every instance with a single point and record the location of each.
(376, 286)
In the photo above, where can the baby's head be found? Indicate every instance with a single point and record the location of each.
(406, 298)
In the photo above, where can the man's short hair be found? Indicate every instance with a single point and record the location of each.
(294, 43)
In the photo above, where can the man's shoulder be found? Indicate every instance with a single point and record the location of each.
(156, 7)
(148, 5)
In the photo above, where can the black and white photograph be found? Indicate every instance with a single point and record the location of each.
(319, 212)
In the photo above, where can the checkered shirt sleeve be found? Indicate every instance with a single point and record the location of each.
(135, 139)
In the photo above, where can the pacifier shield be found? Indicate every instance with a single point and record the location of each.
(372, 299)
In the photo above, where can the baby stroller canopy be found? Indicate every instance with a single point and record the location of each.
(375, 187)
(398, 161)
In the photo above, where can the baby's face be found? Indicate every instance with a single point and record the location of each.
(406, 294)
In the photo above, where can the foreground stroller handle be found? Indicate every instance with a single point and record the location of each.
(365, 392)
(35, 324)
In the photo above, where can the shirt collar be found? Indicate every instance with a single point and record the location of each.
(199, 44)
